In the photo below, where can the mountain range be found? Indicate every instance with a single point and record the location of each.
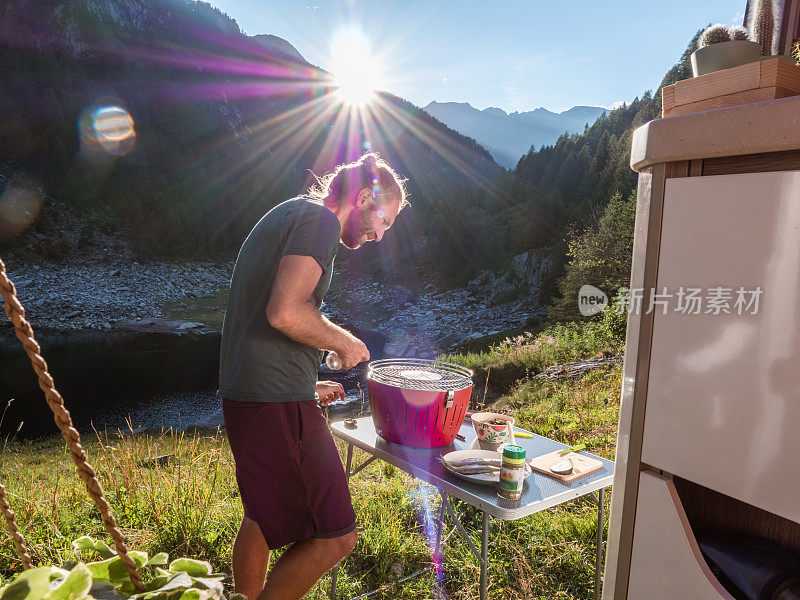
(507, 136)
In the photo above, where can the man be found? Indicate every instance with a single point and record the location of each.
(290, 477)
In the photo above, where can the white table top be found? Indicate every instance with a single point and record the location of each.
(540, 491)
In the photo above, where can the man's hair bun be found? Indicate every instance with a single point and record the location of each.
(369, 171)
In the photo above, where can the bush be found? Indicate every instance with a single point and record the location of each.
(614, 320)
(600, 256)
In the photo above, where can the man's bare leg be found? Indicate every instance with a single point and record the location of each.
(250, 559)
(303, 564)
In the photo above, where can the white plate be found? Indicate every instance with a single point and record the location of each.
(483, 478)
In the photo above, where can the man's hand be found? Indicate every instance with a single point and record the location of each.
(353, 353)
(328, 391)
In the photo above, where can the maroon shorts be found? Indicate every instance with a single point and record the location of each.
(288, 469)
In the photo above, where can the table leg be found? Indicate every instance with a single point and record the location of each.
(484, 553)
(349, 459)
(598, 560)
(335, 570)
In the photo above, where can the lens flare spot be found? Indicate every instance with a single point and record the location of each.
(107, 129)
(421, 497)
(20, 204)
(113, 124)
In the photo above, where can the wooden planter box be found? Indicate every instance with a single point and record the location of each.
(754, 82)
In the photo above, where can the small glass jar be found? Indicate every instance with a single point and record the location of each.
(512, 472)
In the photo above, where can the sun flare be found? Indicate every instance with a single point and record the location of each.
(356, 70)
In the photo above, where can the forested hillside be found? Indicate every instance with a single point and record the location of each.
(222, 127)
(555, 196)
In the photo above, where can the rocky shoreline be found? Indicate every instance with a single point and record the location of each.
(427, 323)
(100, 295)
(123, 294)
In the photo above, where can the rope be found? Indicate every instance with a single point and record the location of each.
(16, 313)
(11, 525)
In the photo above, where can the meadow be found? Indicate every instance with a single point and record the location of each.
(187, 504)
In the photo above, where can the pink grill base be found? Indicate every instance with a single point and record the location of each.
(416, 418)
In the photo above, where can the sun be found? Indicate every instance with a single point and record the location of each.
(357, 71)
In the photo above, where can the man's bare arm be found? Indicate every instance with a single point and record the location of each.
(290, 311)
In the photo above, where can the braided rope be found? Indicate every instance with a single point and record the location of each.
(11, 525)
(16, 313)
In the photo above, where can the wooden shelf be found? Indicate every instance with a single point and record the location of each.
(760, 81)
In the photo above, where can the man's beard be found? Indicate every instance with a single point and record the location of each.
(355, 227)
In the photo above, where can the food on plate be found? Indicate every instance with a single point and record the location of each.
(563, 467)
(494, 462)
(476, 469)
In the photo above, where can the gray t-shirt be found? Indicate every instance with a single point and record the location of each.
(257, 362)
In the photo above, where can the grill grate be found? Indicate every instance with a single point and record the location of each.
(420, 374)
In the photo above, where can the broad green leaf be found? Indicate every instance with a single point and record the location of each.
(103, 549)
(32, 584)
(190, 595)
(75, 586)
(179, 581)
(18, 590)
(99, 569)
(195, 568)
(208, 582)
(117, 572)
(114, 569)
(140, 558)
(157, 582)
(176, 585)
(211, 588)
(126, 587)
(162, 558)
(82, 544)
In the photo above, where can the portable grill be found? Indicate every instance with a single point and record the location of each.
(418, 402)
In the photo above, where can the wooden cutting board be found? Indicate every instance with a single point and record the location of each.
(581, 465)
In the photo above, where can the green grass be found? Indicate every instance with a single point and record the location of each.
(513, 360)
(572, 411)
(190, 506)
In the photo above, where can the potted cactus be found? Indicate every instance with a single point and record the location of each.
(723, 47)
(762, 25)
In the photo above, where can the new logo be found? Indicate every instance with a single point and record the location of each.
(591, 300)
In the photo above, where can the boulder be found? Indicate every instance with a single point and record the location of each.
(504, 290)
(477, 286)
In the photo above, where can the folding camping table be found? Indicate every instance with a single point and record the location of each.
(540, 491)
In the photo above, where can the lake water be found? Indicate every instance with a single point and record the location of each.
(121, 380)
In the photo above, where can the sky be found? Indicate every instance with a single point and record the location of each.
(516, 55)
